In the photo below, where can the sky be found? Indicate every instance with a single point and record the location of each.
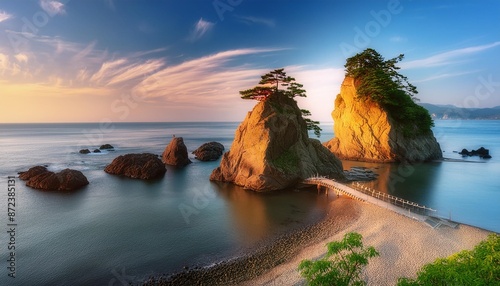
(157, 61)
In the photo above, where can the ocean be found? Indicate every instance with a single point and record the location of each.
(119, 230)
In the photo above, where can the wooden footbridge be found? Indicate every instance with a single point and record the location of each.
(395, 204)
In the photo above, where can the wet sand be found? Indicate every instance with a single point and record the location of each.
(404, 245)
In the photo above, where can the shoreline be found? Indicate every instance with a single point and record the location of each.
(235, 271)
(405, 245)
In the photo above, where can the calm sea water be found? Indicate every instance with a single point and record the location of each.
(119, 230)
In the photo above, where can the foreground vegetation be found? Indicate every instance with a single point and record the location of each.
(342, 264)
(480, 266)
(345, 259)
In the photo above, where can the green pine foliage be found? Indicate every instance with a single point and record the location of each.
(480, 266)
(271, 83)
(380, 81)
(342, 264)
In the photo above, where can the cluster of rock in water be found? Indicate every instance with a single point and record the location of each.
(481, 152)
(145, 166)
(39, 177)
(107, 147)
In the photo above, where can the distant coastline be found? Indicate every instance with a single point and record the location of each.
(451, 112)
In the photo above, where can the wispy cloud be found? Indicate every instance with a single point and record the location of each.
(257, 20)
(52, 7)
(22, 58)
(200, 29)
(200, 80)
(4, 16)
(76, 69)
(11, 66)
(447, 57)
(444, 75)
(136, 70)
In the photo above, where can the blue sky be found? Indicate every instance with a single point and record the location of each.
(111, 60)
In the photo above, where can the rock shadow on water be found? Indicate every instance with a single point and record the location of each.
(258, 215)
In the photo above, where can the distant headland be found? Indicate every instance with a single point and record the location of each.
(453, 112)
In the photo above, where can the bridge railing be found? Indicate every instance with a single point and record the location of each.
(402, 203)
(399, 202)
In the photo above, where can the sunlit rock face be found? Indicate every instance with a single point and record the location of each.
(366, 132)
(175, 154)
(272, 151)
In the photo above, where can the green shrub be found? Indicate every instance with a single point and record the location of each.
(480, 266)
(288, 162)
(342, 264)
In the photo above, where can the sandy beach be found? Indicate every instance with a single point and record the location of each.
(404, 244)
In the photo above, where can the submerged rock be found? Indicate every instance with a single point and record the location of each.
(66, 180)
(210, 151)
(364, 131)
(272, 151)
(360, 174)
(175, 153)
(144, 166)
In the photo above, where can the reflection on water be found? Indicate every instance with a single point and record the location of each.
(260, 215)
(411, 182)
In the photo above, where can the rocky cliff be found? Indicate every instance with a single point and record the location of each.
(366, 132)
(271, 149)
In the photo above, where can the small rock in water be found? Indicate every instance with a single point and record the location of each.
(84, 151)
(210, 151)
(106, 147)
(97, 151)
(144, 166)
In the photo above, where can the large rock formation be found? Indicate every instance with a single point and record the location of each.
(66, 180)
(366, 132)
(271, 149)
(175, 153)
(144, 166)
(210, 151)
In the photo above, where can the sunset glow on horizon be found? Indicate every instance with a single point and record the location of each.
(125, 61)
